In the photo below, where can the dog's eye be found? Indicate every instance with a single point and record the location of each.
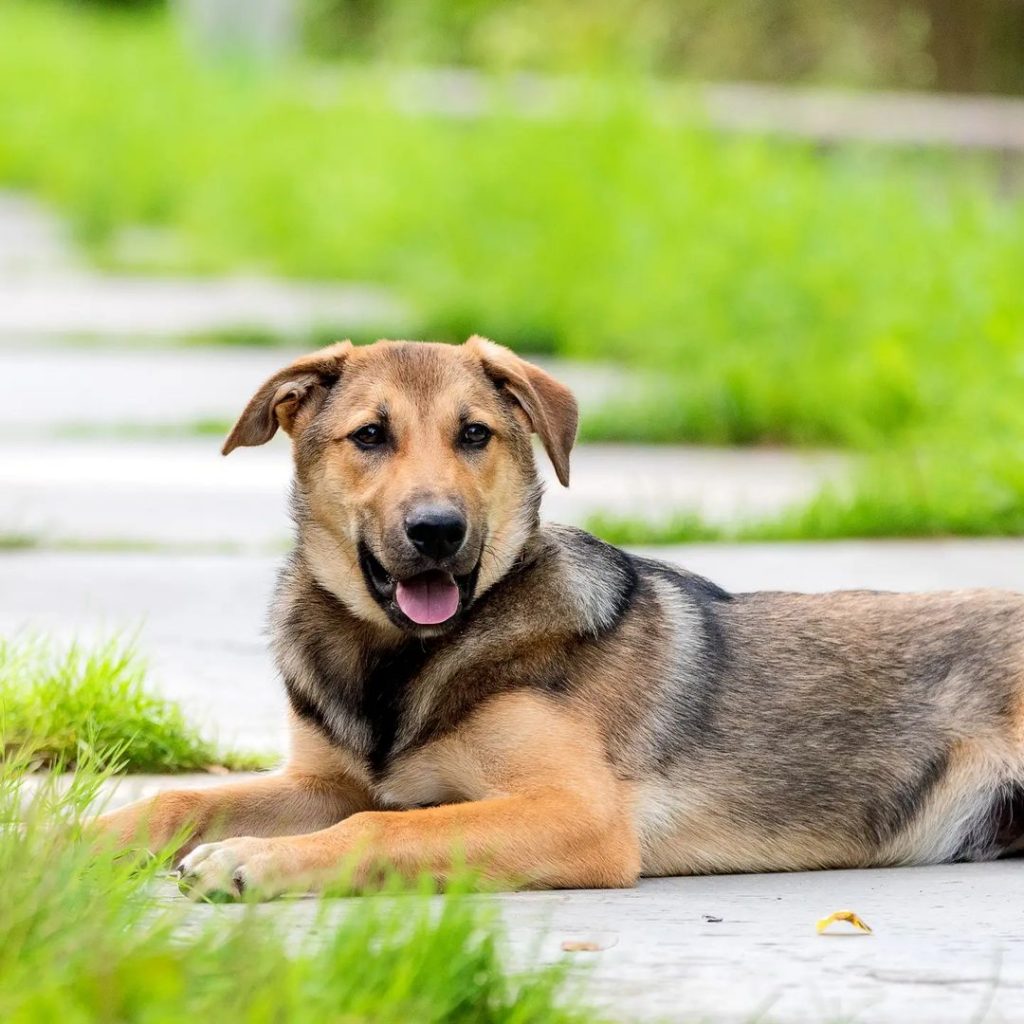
(370, 436)
(475, 434)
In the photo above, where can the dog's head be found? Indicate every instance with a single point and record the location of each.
(415, 482)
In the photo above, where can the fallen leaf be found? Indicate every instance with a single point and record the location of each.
(574, 946)
(843, 915)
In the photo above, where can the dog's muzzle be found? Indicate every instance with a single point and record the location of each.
(425, 599)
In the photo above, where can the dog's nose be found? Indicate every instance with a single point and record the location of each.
(436, 532)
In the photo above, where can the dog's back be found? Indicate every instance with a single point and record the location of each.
(841, 730)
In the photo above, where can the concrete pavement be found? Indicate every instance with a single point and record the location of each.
(183, 492)
(84, 305)
(946, 947)
(107, 390)
(47, 293)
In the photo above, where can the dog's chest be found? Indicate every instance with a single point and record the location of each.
(403, 750)
(424, 777)
(383, 711)
(370, 715)
(391, 723)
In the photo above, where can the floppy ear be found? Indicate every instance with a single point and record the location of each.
(549, 405)
(279, 400)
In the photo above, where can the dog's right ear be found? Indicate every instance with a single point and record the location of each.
(290, 394)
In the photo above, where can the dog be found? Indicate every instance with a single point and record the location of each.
(470, 687)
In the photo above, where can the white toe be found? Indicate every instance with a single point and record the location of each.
(197, 856)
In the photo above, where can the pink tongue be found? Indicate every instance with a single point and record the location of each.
(429, 598)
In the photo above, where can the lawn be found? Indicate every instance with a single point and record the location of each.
(83, 937)
(930, 491)
(73, 703)
(777, 293)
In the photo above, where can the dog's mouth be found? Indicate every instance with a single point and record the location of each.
(428, 598)
(424, 599)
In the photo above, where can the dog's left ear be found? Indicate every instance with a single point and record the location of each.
(548, 404)
(291, 393)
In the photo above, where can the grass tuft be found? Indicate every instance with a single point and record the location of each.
(66, 705)
(85, 936)
(18, 541)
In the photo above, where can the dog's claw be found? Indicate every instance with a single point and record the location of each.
(218, 872)
(190, 886)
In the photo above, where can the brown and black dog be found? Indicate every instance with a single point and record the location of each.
(469, 685)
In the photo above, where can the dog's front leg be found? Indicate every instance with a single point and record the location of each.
(272, 805)
(543, 808)
(315, 790)
(547, 840)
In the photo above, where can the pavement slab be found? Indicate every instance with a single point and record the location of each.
(47, 293)
(86, 305)
(111, 389)
(742, 948)
(182, 492)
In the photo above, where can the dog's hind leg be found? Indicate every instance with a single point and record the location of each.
(315, 790)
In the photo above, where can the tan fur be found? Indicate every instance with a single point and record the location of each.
(548, 405)
(318, 786)
(347, 502)
(546, 813)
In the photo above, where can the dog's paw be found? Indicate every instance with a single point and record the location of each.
(235, 868)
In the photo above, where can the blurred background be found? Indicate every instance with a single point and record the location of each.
(776, 246)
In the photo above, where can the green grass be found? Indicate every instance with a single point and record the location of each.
(917, 494)
(854, 297)
(139, 430)
(782, 293)
(14, 542)
(18, 541)
(71, 703)
(84, 938)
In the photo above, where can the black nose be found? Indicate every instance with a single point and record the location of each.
(436, 532)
